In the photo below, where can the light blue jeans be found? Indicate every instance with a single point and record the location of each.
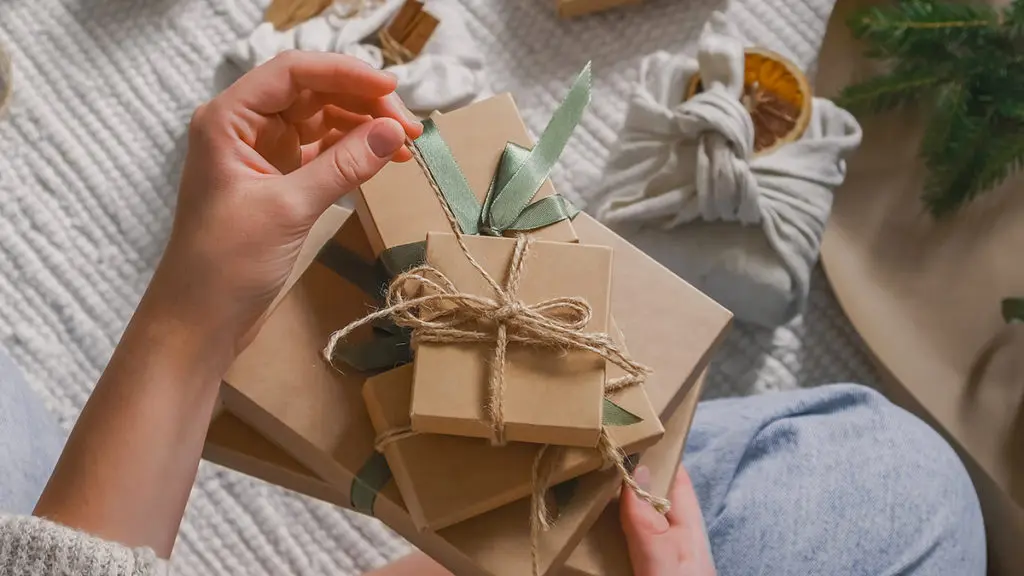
(833, 481)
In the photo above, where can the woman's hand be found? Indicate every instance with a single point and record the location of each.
(671, 545)
(266, 158)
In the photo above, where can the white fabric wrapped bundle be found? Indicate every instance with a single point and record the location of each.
(447, 74)
(683, 183)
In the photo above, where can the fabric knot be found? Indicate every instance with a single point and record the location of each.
(721, 129)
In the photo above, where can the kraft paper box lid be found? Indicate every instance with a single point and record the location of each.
(601, 552)
(281, 386)
(551, 396)
(447, 479)
(398, 206)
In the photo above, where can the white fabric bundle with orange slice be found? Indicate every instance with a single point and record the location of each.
(724, 171)
(447, 74)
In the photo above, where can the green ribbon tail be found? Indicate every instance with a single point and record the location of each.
(398, 259)
(346, 264)
(450, 179)
(515, 185)
(369, 481)
(1013, 310)
(380, 354)
(614, 415)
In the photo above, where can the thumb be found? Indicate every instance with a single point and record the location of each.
(643, 527)
(350, 162)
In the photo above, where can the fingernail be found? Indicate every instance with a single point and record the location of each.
(642, 475)
(390, 74)
(403, 108)
(384, 140)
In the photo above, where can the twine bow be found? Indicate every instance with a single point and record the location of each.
(425, 300)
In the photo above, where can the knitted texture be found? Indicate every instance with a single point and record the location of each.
(32, 546)
(90, 153)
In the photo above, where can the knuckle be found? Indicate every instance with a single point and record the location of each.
(348, 169)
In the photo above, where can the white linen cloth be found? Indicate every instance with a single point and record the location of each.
(447, 74)
(684, 185)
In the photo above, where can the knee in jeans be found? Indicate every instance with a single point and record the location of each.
(924, 476)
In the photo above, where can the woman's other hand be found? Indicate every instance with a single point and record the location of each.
(671, 545)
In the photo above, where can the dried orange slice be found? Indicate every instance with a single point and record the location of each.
(777, 95)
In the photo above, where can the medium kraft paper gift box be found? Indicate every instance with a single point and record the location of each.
(398, 207)
(487, 477)
(551, 396)
(281, 387)
(601, 552)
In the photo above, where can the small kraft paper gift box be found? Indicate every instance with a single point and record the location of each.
(601, 552)
(549, 395)
(281, 386)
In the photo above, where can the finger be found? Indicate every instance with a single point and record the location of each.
(687, 521)
(390, 106)
(685, 507)
(648, 536)
(352, 160)
(330, 118)
(313, 149)
(638, 516)
(273, 87)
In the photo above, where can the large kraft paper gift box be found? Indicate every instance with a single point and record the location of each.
(601, 552)
(281, 387)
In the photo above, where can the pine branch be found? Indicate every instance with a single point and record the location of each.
(950, 119)
(1013, 21)
(972, 166)
(892, 90)
(922, 29)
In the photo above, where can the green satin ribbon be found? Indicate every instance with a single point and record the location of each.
(1013, 310)
(508, 205)
(369, 481)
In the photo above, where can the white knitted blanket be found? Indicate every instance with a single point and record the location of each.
(89, 161)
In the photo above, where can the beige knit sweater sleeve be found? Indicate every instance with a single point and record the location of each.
(32, 546)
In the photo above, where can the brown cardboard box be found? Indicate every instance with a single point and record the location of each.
(476, 135)
(487, 477)
(551, 396)
(574, 8)
(281, 386)
(602, 552)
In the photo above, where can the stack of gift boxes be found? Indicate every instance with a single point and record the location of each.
(399, 427)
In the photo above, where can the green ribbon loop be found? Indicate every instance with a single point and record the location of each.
(521, 173)
(508, 204)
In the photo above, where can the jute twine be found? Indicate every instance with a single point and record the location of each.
(393, 51)
(6, 81)
(426, 301)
